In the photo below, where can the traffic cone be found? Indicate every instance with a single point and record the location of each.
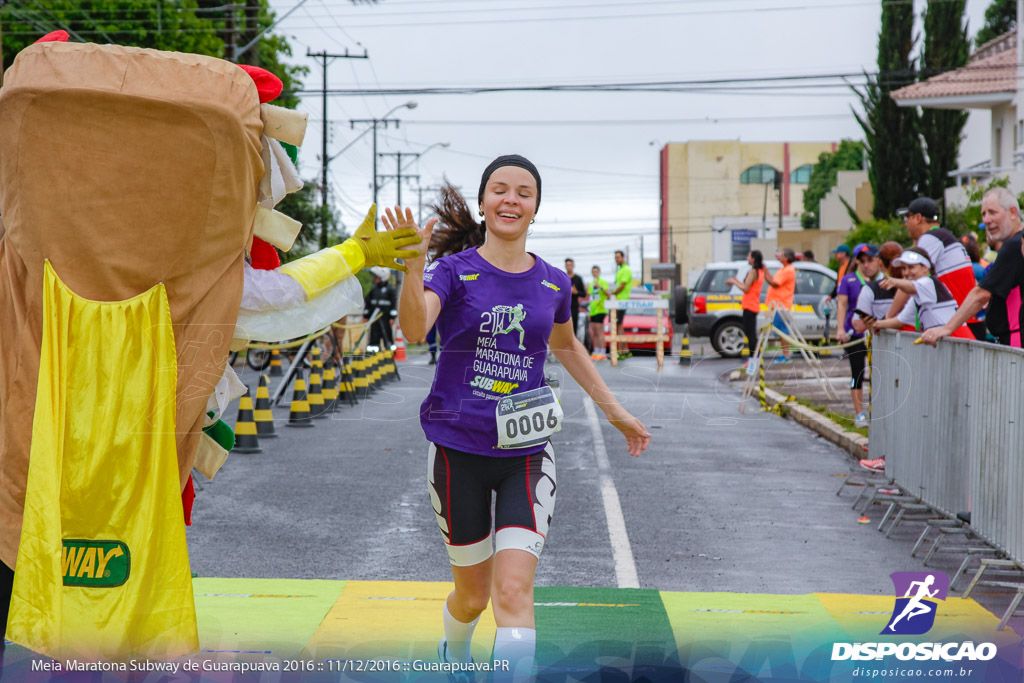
(299, 415)
(275, 364)
(246, 440)
(330, 389)
(684, 351)
(399, 342)
(745, 353)
(390, 369)
(316, 395)
(361, 383)
(264, 415)
(348, 387)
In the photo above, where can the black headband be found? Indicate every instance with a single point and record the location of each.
(508, 160)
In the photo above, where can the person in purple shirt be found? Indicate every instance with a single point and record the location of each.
(489, 415)
(865, 268)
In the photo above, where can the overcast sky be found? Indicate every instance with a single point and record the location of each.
(597, 152)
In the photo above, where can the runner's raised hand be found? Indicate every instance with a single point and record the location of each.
(401, 220)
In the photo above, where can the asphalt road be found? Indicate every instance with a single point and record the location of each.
(719, 502)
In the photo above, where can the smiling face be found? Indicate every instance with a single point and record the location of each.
(510, 202)
(916, 271)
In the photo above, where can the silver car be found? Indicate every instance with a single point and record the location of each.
(715, 312)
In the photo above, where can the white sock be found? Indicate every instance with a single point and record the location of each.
(459, 635)
(516, 646)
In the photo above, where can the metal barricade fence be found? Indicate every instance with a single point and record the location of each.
(949, 421)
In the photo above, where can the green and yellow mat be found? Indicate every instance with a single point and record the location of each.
(592, 634)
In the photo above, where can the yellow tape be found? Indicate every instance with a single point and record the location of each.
(288, 345)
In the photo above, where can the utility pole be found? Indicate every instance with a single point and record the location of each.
(230, 32)
(326, 59)
(398, 169)
(375, 124)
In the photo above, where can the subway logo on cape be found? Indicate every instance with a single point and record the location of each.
(95, 564)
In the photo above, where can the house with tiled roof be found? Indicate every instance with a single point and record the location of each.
(987, 87)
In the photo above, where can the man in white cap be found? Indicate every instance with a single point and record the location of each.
(381, 297)
(1002, 288)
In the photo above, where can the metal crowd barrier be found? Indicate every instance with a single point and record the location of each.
(949, 421)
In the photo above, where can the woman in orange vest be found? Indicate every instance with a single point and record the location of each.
(751, 302)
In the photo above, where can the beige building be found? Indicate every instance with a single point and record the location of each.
(714, 193)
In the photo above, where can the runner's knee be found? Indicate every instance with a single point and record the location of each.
(513, 592)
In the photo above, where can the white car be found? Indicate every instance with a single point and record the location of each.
(715, 312)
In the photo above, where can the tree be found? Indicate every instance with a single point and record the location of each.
(304, 206)
(196, 26)
(896, 166)
(849, 156)
(1000, 17)
(946, 47)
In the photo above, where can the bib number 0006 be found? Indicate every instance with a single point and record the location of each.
(528, 419)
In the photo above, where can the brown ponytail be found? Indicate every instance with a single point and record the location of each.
(458, 230)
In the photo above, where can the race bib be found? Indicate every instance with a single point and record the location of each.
(528, 419)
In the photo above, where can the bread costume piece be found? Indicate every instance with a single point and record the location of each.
(129, 187)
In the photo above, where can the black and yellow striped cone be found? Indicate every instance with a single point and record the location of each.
(375, 369)
(330, 389)
(316, 394)
(299, 415)
(745, 353)
(348, 386)
(684, 351)
(275, 364)
(246, 440)
(393, 366)
(264, 415)
(359, 378)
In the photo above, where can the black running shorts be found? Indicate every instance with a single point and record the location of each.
(460, 486)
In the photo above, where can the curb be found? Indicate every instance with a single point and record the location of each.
(852, 442)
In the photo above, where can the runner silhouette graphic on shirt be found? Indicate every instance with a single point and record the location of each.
(915, 606)
(518, 314)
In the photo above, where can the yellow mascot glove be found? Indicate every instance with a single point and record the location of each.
(382, 248)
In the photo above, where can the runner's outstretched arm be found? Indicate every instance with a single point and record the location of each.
(574, 358)
(418, 308)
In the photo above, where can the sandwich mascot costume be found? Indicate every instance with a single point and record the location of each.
(135, 187)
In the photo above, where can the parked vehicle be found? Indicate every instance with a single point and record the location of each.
(714, 307)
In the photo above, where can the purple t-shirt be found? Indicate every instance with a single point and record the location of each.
(495, 328)
(850, 285)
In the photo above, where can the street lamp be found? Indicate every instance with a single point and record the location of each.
(375, 123)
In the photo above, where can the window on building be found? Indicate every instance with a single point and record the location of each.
(802, 175)
(758, 175)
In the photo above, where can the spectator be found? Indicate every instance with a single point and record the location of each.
(1002, 287)
(947, 256)
(598, 292)
(809, 256)
(578, 289)
(432, 345)
(934, 303)
(781, 287)
(842, 255)
(751, 287)
(874, 300)
(970, 242)
(381, 297)
(623, 283)
(864, 269)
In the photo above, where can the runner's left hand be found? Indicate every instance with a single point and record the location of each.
(637, 436)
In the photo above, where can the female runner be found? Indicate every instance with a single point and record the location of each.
(498, 308)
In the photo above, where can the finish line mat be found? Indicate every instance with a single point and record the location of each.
(324, 629)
